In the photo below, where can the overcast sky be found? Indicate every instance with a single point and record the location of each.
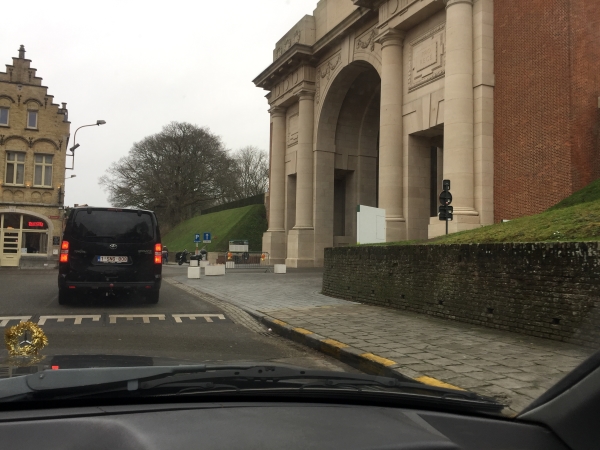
(142, 64)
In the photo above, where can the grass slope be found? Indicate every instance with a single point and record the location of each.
(247, 223)
(576, 218)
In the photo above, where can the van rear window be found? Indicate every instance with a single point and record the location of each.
(112, 226)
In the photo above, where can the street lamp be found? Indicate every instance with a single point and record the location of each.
(75, 145)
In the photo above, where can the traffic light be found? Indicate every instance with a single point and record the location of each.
(446, 210)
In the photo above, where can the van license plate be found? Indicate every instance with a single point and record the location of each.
(112, 259)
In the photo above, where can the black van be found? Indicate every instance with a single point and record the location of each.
(109, 250)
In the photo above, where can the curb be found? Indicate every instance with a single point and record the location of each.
(354, 357)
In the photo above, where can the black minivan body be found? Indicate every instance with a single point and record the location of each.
(110, 250)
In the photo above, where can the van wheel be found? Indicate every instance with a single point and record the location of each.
(152, 297)
(64, 297)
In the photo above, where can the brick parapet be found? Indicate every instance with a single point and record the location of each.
(548, 290)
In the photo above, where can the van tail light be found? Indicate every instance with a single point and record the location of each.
(158, 254)
(64, 252)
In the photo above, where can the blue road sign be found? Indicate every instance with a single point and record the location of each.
(206, 238)
(197, 237)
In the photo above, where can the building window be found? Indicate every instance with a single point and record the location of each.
(15, 168)
(3, 116)
(43, 171)
(32, 118)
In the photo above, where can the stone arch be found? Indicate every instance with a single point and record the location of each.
(7, 97)
(16, 138)
(346, 148)
(331, 103)
(371, 58)
(33, 100)
(47, 141)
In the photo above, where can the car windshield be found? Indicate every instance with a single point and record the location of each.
(398, 189)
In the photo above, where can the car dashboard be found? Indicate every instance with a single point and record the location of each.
(275, 425)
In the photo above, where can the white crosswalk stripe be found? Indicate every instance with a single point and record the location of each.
(77, 319)
(5, 320)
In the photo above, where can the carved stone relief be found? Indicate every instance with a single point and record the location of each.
(427, 58)
(287, 44)
(366, 41)
(324, 74)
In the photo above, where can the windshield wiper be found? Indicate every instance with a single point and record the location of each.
(177, 380)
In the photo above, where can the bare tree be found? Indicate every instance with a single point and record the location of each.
(252, 167)
(176, 172)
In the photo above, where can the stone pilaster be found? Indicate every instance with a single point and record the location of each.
(391, 139)
(300, 248)
(458, 110)
(274, 238)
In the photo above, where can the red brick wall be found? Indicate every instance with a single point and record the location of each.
(585, 90)
(545, 103)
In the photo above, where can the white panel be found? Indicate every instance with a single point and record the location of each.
(370, 225)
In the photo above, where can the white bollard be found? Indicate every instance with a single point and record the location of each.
(194, 272)
(279, 268)
(204, 263)
(193, 263)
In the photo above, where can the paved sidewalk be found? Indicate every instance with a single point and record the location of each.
(511, 367)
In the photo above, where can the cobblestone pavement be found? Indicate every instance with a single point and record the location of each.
(511, 367)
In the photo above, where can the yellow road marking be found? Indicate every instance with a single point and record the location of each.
(335, 343)
(279, 322)
(378, 359)
(433, 382)
(303, 331)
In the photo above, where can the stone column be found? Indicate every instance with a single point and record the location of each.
(301, 242)
(304, 164)
(390, 135)
(274, 239)
(458, 110)
(277, 180)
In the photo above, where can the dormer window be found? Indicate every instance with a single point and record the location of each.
(32, 119)
(4, 116)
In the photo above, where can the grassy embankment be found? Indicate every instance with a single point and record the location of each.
(576, 218)
(248, 223)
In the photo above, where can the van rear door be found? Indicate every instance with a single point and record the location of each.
(111, 244)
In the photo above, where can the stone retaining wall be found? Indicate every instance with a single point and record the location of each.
(548, 290)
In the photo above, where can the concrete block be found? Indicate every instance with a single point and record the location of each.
(279, 268)
(194, 272)
(214, 270)
(204, 263)
(193, 263)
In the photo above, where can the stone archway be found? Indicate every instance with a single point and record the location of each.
(346, 154)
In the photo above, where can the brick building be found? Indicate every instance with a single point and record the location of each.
(546, 102)
(374, 102)
(34, 133)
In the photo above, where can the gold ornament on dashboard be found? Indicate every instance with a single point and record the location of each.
(25, 339)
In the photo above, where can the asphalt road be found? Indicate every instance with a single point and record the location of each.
(181, 327)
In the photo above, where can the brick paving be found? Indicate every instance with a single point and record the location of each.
(511, 367)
